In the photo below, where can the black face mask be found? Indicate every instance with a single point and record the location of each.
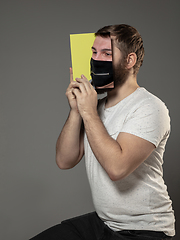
(101, 72)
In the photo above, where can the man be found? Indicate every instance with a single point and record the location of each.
(123, 140)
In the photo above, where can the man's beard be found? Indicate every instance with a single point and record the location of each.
(120, 75)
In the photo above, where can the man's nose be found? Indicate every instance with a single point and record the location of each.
(98, 57)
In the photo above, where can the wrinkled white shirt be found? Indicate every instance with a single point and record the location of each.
(140, 201)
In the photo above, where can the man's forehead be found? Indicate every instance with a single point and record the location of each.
(102, 43)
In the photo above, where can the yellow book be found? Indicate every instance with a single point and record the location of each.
(81, 53)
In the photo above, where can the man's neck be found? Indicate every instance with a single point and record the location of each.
(120, 92)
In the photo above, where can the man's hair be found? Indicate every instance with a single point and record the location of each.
(127, 39)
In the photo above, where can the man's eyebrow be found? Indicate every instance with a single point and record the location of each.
(106, 49)
(102, 50)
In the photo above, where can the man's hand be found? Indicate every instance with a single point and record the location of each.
(70, 143)
(86, 97)
(69, 93)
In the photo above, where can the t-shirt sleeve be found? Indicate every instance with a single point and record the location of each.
(149, 121)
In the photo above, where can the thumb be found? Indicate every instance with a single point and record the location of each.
(71, 74)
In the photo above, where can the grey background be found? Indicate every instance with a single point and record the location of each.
(34, 70)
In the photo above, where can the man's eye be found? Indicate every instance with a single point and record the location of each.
(94, 52)
(108, 54)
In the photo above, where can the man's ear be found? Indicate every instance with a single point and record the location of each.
(131, 60)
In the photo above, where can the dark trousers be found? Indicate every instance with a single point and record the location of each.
(91, 227)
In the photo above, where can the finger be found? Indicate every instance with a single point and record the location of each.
(80, 86)
(71, 74)
(69, 93)
(85, 82)
(83, 77)
(72, 84)
(76, 92)
(70, 88)
(75, 85)
(82, 80)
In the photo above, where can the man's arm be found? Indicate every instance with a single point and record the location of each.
(70, 145)
(118, 157)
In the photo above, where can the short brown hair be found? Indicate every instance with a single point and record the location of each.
(128, 40)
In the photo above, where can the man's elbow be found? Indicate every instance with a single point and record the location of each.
(65, 162)
(115, 175)
(115, 178)
(62, 164)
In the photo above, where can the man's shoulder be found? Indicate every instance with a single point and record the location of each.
(144, 98)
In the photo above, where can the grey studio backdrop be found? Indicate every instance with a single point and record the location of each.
(34, 68)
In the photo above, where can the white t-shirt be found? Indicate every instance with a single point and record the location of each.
(140, 201)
